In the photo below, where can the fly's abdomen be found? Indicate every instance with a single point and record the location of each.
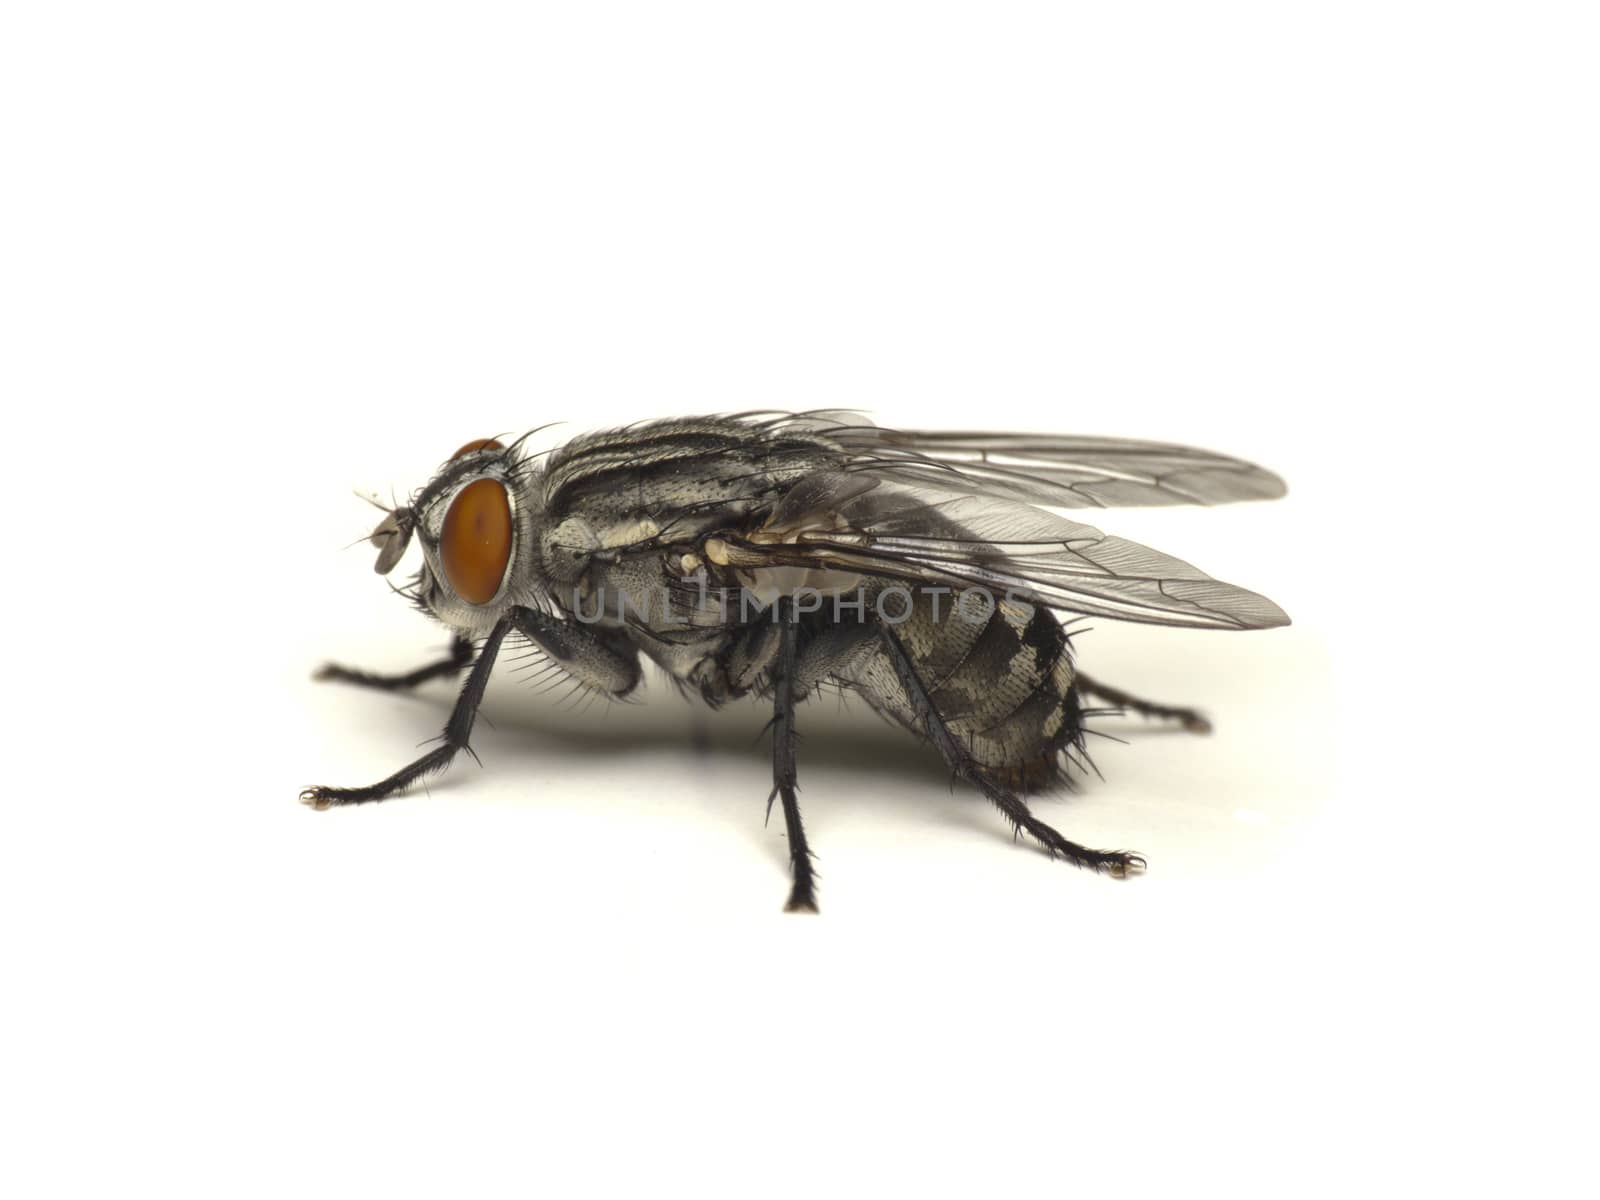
(1003, 683)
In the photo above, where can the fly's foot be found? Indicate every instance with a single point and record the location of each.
(1193, 722)
(323, 798)
(319, 798)
(1120, 864)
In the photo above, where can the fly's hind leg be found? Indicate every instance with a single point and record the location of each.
(458, 660)
(785, 778)
(1191, 719)
(1118, 863)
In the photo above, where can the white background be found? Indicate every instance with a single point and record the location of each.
(257, 256)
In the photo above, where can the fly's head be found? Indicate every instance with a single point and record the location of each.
(469, 523)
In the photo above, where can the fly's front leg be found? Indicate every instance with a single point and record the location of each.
(599, 658)
(1113, 862)
(457, 731)
(458, 660)
(785, 777)
(1191, 719)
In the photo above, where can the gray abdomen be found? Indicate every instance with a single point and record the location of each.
(1003, 684)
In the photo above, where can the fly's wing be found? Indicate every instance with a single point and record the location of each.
(1064, 472)
(1005, 549)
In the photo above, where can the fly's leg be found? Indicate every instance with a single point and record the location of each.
(802, 896)
(458, 660)
(1191, 719)
(1113, 862)
(457, 731)
(603, 660)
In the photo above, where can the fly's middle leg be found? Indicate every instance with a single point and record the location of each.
(1190, 719)
(785, 779)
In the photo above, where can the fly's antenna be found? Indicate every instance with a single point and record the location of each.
(376, 503)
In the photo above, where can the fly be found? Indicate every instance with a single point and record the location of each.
(776, 554)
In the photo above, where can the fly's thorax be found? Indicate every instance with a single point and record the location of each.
(626, 494)
(568, 547)
(615, 563)
(807, 584)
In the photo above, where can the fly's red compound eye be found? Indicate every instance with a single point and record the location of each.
(475, 544)
(474, 447)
